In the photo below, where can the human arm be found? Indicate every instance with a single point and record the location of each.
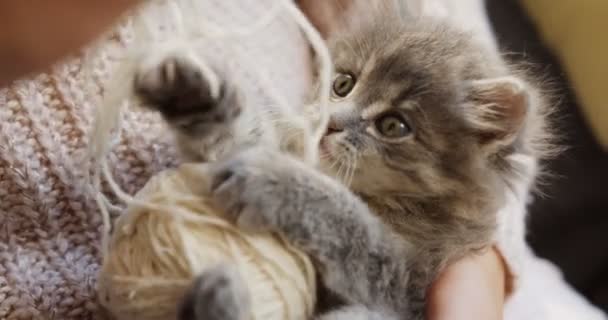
(34, 34)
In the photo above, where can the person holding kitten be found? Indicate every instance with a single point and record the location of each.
(473, 288)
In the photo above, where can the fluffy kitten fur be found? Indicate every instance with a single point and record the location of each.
(397, 209)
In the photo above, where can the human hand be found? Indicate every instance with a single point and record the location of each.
(35, 34)
(470, 289)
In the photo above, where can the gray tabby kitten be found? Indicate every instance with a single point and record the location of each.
(418, 154)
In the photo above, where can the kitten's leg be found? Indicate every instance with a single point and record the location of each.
(216, 294)
(358, 312)
(354, 252)
(199, 103)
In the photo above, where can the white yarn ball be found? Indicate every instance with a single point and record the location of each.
(157, 250)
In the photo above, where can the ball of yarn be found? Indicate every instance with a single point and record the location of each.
(159, 247)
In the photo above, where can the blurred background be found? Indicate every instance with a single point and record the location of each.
(569, 225)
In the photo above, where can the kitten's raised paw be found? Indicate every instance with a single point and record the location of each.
(217, 294)
(187, 94)
(175, 85)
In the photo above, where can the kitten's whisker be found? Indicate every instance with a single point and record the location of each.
(347, 175)
(333, 164)
(325, 156)
(346, 160)
(352, 171)
(340, 175)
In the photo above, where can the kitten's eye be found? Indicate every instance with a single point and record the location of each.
(343, 84)
(393, 126)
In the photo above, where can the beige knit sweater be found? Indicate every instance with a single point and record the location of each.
(50, 226)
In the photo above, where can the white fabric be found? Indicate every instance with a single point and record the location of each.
(543, 294)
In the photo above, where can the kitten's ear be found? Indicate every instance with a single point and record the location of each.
(499, 108)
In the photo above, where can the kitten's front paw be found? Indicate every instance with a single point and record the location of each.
(252, 189)
(217, 294)
(174, 84)
(184, 91)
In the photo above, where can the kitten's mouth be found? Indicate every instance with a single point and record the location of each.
(331, 130)
(324, 146)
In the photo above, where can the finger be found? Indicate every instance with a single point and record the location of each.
(470, 289)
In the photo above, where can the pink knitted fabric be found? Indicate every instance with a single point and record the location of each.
(50, 226)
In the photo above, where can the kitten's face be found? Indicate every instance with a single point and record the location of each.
(399, 118)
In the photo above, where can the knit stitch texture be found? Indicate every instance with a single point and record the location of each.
(50, 226)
